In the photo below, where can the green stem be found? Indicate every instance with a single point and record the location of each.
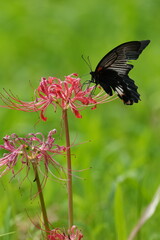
(42, 203)
(69, 170)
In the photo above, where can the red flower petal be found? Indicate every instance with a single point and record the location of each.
(42, 116)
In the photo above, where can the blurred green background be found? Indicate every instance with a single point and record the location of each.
(47, 38)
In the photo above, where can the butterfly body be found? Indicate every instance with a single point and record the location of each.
(112, 71)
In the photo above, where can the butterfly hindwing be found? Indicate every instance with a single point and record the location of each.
(112, 71)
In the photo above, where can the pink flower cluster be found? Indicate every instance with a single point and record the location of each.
(65, 94)
(32, 148)
(73, 234)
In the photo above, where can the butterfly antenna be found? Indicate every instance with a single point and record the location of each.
(88, 62)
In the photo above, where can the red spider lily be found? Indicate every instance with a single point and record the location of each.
(73, 234)
(34, 148)
(65, 94)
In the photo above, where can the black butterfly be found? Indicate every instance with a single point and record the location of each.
(112, 71)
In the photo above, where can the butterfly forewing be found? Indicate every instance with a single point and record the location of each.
(118, 57)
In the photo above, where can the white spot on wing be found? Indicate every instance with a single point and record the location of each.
(119, 90)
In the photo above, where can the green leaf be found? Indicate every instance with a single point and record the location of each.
(119, 214)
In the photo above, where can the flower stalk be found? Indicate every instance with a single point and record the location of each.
(69, 170)
(41, 198)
